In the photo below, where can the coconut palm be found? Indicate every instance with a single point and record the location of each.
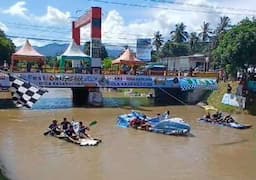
(158, 41)
(205, 34)
(193, 40)
(221, 28)
(223, 25)
(179, 35)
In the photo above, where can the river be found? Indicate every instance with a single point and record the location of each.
(210, 152)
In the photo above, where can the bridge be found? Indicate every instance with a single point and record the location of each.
(85, 85)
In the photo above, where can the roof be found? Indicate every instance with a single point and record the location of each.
(74, 50)
(27, 50)
(127, 58)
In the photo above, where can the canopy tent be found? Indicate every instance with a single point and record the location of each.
(27, 54)
(128, 58)
(74, 53)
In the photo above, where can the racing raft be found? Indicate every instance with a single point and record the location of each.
(163, 125)
(80, 141)
(233, 124)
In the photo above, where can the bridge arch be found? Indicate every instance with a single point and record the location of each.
(92, 17)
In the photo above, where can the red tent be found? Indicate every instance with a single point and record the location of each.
(27, 54)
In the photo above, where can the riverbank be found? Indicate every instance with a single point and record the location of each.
(216, 96)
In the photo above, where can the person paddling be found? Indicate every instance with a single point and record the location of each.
(82, 131)
(65, 124)
(72, 134)
(54, 128)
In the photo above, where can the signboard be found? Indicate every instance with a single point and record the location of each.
(233, 100)
(114, 81)
(143, 50)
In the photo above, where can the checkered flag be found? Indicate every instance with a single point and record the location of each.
(24, 94)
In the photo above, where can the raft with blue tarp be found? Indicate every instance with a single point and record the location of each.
(162, 124)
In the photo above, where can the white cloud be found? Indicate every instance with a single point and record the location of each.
(18, 9)
(3, 27)
(55, 16)
(115, 30)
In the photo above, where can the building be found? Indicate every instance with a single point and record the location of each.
(199, 62)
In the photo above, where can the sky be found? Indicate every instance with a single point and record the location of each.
(123, 21)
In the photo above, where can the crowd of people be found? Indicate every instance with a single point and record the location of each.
(72, 130)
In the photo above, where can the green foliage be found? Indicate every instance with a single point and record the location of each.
(158, 41)
(216, 98)
(205, 32)
(107, 63)
(237, 47)
(179, 35)
(6, 48)
(171, 49)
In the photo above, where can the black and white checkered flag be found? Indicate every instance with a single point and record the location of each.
(24, 94)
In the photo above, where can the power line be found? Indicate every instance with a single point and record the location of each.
(66, 41)
(201, 5)
(182, 10)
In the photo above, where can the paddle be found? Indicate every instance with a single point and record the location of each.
(47, 132)
(93, 123)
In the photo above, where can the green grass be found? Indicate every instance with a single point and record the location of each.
(216, 97)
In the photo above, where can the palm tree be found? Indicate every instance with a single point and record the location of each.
(193, 40)
(179, 35)
(158, 41)
(220, 30)
(223, 25)
(205, 34)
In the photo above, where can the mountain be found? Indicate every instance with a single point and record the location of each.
(55, 49)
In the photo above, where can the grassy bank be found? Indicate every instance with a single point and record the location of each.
(215, 99)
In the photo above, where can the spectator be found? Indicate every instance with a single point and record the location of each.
(229, 89)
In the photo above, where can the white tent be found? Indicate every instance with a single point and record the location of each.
(74, 53)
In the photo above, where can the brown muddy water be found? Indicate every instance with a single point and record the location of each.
(211, 152)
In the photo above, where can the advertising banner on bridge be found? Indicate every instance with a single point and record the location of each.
(116, 81)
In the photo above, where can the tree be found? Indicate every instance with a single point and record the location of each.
(179, 35)
(237, 47)
(103, 51)
(107, 63)
(223, 25)
(205, 32)
(222, 28)
(193, 41)
(171, 49)
(6, 48)
(158, 41)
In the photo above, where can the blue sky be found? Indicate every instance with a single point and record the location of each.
(122, 24)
